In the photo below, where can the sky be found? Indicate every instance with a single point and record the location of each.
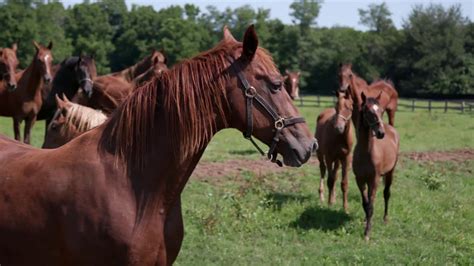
(332, 13)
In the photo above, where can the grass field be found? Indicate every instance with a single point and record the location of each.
(276, 218)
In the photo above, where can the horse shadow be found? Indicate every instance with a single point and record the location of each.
(325, 219)
(276, 200)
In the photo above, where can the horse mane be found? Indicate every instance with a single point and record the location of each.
(181, 106)
(82, 117)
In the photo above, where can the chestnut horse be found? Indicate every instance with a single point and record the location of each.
(131, 73)
(112, 195)
(334, 133)
(375, 155)
(348, 80)
(69, 121)
(8, 65)
(292, 80)
(25, 102)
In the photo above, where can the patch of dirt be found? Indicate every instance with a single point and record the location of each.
(455, 155)
(208, 171)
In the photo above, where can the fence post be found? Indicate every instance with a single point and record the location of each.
(318, 101)
(445, 106)
(413, 105)
(301, 100)
(429, 106)
(462, 106)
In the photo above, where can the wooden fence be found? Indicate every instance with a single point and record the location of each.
(403, 104)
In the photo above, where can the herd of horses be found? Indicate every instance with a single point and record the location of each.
(119, 148)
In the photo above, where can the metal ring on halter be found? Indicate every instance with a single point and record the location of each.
(251, 92)
(280, 123)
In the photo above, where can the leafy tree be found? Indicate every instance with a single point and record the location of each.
(19, 26)
(376, 17)
(305, 13)
(432, 57)
(89, 29)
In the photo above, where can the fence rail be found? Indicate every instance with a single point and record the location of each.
(403, 103)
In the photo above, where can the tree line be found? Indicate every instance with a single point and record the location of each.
(432, 54)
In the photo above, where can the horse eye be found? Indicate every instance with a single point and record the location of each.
(54, 126)
(277, 85)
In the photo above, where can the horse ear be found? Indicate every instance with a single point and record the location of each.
(14, 47)
(65, 99)
(250, 43)
(379, 96)
(227, 34)
(60, 103)
(364, 98)
(37, 46)
(50, 45)
(287, 72)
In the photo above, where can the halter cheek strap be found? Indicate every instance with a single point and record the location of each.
(280, 123)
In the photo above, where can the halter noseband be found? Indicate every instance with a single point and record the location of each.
(280, 123)
(345, 118)
(86, 80)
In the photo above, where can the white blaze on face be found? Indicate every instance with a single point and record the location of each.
(46, 57)
(375, 107)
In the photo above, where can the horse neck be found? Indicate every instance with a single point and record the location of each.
(31, 80)
(365, 140)
(130, 73)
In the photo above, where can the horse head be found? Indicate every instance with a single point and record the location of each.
(8, 65)
(292, 80)
(260, 106)
(43, 59)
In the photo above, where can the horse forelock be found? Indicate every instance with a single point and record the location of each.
(187, 99)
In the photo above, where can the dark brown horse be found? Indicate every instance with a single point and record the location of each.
(292, 80)
(375, 155)
(75, 73)
(8, 65)
(348, 80)
(112, 195)
(25, 102)
(334, 134)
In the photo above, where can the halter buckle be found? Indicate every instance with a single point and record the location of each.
(250, 92)
(280, 124)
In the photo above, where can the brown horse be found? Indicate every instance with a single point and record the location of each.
(292, 80)
(375, 155)
(25, 102)
(69, 121)
(348, 80)
(112, 195)
(131, 73)
(111, 90)
(334, 133)
(8, 65)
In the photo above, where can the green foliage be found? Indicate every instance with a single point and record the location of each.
(432, 59)
(377, 17)
(432, 54)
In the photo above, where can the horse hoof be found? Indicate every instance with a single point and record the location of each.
(367, 238)
(385, 220)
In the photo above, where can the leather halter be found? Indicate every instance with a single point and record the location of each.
(345, 118)
(86, 80)
(280, 122)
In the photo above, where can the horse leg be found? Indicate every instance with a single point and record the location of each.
(29, 122)
(16, 128)
(363, 192)
(391, 117)
(386, 194)
(332, 177)
(345, 181)
(370, 208)
(322, 169)
(174, 232)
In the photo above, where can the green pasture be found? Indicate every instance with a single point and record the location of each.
(275, 219)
